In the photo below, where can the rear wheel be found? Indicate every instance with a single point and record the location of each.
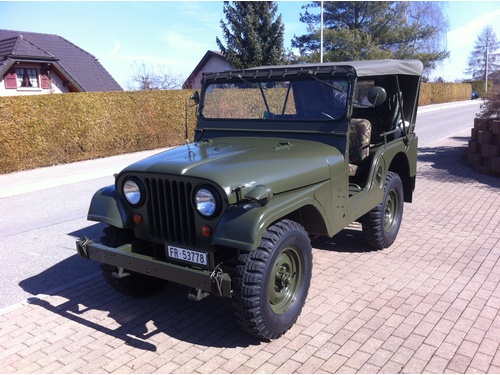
(272, 282)
(381, 224)
(122, 280)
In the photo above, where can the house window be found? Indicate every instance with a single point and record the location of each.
(27, 77)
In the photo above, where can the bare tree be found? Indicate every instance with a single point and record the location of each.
(148, 77)
(426, 26)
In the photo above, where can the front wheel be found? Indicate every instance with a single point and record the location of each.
(272, 282)
(381, 224)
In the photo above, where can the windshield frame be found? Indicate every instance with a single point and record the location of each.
(293, 88)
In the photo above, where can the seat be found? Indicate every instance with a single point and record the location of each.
(359, 143)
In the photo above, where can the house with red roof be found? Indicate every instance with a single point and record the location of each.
(35, 63)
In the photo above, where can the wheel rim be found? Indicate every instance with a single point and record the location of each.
(390, 211)
(285, 280)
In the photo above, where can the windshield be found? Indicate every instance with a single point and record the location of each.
(312, 99)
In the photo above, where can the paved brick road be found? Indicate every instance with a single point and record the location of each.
(430, 303)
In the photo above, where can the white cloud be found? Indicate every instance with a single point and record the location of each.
(461, 42)
(181, 42)
(467, 34)
(203, 15)
(116, 48)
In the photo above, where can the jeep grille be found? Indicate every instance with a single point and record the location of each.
(170, 213)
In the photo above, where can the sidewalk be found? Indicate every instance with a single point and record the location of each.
(437, 107)
(428, 304)
(43, 178)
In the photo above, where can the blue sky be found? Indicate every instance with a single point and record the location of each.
(176, 35)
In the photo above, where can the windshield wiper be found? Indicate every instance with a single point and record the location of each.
(327, 84)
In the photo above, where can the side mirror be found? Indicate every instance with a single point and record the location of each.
(195, 98)
(377, 95)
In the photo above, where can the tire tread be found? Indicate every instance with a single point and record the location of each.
(373, 222)
(248, 281)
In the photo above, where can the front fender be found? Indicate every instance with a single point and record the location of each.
(243, 225)
(108, 207)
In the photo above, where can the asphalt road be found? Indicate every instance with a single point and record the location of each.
(38, 229)
(439, 121)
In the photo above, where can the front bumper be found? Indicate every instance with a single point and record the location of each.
(215, 282)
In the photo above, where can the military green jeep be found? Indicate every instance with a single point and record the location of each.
(280, 154)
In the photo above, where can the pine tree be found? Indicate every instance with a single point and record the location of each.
(483, 56)
(253, 34)
(359, 30)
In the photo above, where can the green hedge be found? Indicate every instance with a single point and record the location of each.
(43, 130)
(440, 92)
(480, 87)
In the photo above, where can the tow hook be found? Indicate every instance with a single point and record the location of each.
(81, 247)
(197, 294)
(217, 277)
(121, 273)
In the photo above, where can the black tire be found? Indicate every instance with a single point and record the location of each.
(271, 283)
(130, 283)
(381, 224)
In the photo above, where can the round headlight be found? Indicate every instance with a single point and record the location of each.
(132, 192)
(205, 201)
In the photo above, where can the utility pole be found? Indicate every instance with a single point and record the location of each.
(321, 42)
(486, 73)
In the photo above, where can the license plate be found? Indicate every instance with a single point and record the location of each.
(186, 255)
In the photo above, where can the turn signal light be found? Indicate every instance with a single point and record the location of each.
(137, 219)
(206, 231)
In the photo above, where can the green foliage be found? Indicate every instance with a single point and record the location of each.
(252, 34)
(46, 130)
(366, 30)
(480, 87)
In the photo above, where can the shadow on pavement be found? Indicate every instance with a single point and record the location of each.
(349, 240)
(136, 321)
(142, 322)
(449, 163)
(209, 322)
(66, 272)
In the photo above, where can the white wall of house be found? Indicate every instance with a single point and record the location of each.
(214, 64)
(57, 86)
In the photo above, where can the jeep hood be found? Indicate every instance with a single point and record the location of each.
(280, 164)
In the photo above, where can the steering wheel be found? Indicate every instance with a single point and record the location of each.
(327, 115)
(315, 115)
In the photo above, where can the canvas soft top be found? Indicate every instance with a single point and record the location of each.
(386, 67)
(360, 68)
